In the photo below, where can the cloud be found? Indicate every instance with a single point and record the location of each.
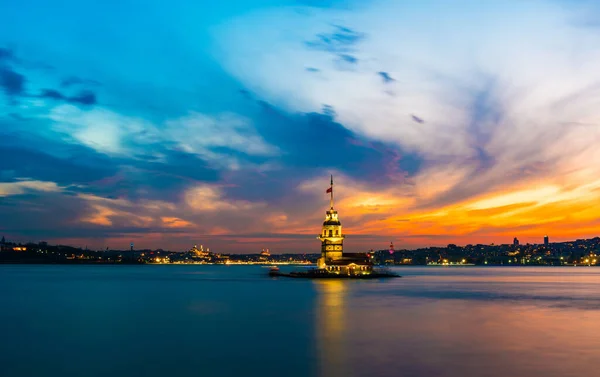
(100, 129)
(175, 222)
(225, 140)
(339, 41)
(417, 119)
(435, 132)
(51, 93)
(26, 186)
(12, 82)
(205, 136)
(386, 77)
(494, 97)
(309, 141)
(209, 198)
(83, 98)
(347, 58)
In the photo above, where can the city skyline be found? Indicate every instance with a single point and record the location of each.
(180, 123)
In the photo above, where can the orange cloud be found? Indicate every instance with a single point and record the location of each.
(100, 217)
(210, 198)
(562, 211)
(175, 222)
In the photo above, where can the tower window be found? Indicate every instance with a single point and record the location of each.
(330, 232)
(337, 232)
(324, 232)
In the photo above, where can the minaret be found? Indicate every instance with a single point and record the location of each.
(332, 239)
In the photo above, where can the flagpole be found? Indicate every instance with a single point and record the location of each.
(331, 199)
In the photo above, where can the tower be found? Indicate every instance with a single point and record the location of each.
(332, 239)
(546, 240)
(391, 247)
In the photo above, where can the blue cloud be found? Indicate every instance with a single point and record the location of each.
(317, 140)
(348, 58)
(341, 40)
(386, 77)
(12, 82)
(83, 97)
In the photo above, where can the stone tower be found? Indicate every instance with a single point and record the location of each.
(332, 238)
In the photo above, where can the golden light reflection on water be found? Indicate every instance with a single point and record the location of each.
(331, 327)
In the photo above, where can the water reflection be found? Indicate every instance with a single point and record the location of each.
(516, 322)
(331, 328)
(496, 325)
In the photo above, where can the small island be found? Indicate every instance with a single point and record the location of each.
(334, 263)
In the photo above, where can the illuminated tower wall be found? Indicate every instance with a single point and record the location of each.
(332, 238)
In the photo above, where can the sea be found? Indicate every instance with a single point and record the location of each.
(211, 320)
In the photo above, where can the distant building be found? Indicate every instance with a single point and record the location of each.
(391, 247)
(199, 252)
(516, 241)
(546, 240)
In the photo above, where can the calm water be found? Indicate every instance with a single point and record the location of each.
(234, 321)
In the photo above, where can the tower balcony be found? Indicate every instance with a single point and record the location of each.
(333, 239)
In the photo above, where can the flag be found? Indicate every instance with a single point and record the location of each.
(329, 190)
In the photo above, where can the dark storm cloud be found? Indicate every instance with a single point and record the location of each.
(386, 77)
(314, 139)
(11, 82)
(51, 93)
(83, 98)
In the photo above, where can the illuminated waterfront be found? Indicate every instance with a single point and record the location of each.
(216, 320)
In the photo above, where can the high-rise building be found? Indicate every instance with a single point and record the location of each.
(546, 240)
(516, 241)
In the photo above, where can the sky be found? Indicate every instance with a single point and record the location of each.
(176, 123)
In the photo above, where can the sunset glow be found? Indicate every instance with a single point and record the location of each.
(464, 124)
